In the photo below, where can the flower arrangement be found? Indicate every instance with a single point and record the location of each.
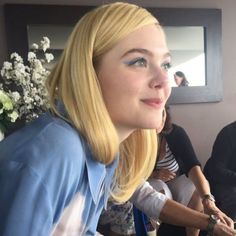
(22, 89)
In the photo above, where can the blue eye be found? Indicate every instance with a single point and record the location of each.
(140, 62)
(166, 66)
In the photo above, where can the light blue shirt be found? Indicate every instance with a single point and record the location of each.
(50, 183)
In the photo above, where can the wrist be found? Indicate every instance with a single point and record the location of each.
(208, 197)
(212, 221)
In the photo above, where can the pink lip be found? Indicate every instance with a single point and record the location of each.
(153, 102)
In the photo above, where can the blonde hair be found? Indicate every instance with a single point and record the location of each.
(74, 81)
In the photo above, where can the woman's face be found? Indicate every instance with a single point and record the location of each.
(134, 80)
(178, 80)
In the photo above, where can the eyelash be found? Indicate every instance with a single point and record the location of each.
(166, 66)
(140, 61)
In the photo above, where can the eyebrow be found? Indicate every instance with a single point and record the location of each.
(144, 51)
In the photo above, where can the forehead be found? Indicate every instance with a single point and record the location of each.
(150, 37)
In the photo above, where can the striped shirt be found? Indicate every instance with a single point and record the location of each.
(168, 162)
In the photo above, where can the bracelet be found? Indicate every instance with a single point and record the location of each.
(208, 197)
(213, 220)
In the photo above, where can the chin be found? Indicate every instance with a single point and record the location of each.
(151, 121)
(158, 126)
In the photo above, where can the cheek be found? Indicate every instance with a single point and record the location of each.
(112, 86)
(167, 90)
(118, 83)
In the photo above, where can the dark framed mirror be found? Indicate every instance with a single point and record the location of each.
(193, 36)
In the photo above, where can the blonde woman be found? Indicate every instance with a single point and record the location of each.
(107, 95)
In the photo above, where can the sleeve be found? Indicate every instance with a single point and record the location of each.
(219, 167)
(148, 200)
(182, 149)
(23, 199)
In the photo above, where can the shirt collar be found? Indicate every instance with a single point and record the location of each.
(100, 176)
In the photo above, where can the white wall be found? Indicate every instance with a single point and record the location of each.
(201, 121)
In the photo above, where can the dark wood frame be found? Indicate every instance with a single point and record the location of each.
(19, 16)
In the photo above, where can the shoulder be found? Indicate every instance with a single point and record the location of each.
(178, 128)
(177, 132)
(48, 141)
(179, 140)
(226, 135)
(50, 150)
(227, 131)
(230, 128)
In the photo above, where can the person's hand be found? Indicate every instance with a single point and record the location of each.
(163, 174)
(211, 208)
(221, 229)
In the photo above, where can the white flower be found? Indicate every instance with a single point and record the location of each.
(45, 43)
(31, 56)
(38, 65)
(16, 57)
(35, 46)
(15, 96)
(13, 116)
(7, 65)
(20, 67)
(49, 57)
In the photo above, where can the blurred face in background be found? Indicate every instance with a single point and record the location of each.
(178, 79)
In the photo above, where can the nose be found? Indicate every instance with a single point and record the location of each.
(160, 79)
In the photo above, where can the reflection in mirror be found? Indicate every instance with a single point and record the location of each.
(186, 45)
